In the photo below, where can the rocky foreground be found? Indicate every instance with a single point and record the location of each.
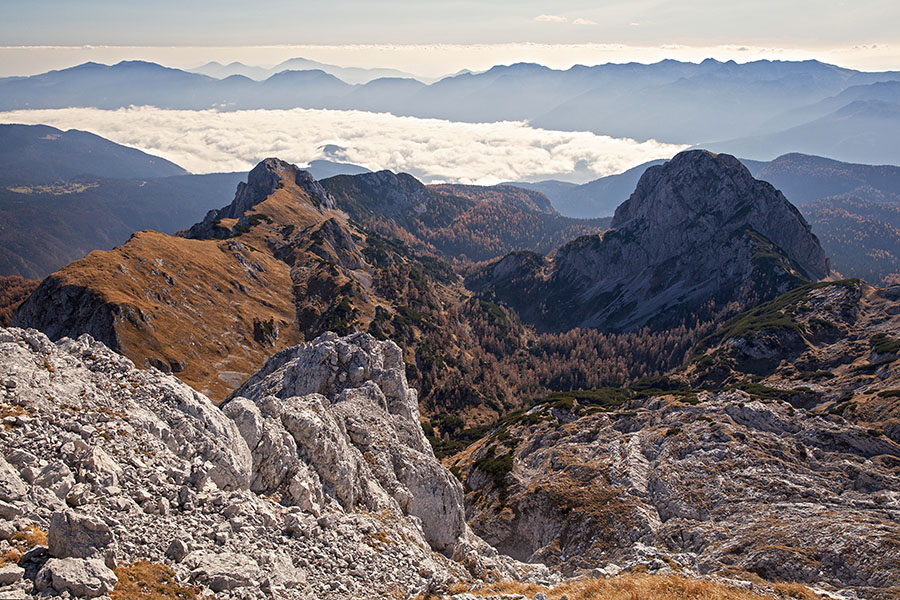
(720, 483)
(313, 481)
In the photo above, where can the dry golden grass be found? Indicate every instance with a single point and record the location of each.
(11, 557)
(152, 581)
(637, 587)
(30, 537)
(205, 320)
(22, 542)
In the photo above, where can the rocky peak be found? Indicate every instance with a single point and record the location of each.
(705, 195)
(384, 193)
(266, 177)
(345, 405)
(697, 229)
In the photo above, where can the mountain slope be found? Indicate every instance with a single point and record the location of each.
(257, 498)
(461, 222)
(863, 131)
(862, 236)
(850, 207)
(768, 454)
(281, 264)
(697, 229)
(13, 291)
(44, 227)
(803, 178)
(38, 154)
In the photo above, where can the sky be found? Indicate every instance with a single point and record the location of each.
(438, 37)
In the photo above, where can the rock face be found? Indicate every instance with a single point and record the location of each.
(337, 414)
(315, 482)
(721, 482)
(698, 229)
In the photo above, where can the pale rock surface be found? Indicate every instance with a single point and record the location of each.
(73, 535)
(82, 578)
(338, 414)
(704, 486)
(340, 497)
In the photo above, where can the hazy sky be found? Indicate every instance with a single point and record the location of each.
(860, 33)
(638, 22)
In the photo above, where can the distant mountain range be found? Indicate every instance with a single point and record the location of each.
(763, 108)
(352, 75)
(803, 178)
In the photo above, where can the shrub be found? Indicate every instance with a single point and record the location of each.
(497, 468)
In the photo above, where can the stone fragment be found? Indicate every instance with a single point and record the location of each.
(177, 550)
(10, 574)
(74, 535)
(56, 477)
(223, 571)
(12, 487)
(82, 578)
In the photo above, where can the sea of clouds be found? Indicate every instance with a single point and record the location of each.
(432, 149)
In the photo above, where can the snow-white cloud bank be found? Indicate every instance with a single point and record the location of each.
(432, 149)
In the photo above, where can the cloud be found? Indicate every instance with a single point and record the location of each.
(431, 149)
(580, 21)
(551, 19)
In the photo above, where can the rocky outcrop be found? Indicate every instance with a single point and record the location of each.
(697, 230)
(262, 181)
(336, 415)
(707, 483)
(314, 482)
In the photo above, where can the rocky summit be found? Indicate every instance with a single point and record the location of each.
(698, 232)
(313, 481)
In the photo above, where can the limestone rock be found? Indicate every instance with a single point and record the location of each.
(177, 550)
(711, 485)
(12, 487)
(337, 414)
(10, 574)
(74, 535)
(79, 577)
(153, 461)
(223, 571)
(697, 229)
(56, 477)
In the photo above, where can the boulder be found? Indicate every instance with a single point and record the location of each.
(82, 578)
(74, 535)
(10, 574)
(56, 477)
(12, 487)
(335, 419)
(223, 571)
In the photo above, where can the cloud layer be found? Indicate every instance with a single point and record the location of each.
(432, 149)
